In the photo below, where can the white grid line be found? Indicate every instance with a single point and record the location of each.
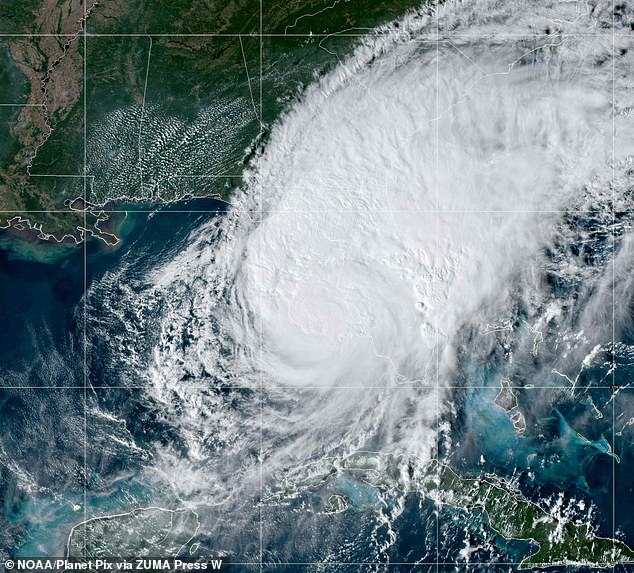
(431, 36)
(165, 210)
(176, 176)
(260, 335)
(85, 277)
(392, 563)
(140, 143)
(328, 389)
(258, 117)
(437, 311)
(615, 393)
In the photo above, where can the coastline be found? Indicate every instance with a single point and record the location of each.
(110, 227)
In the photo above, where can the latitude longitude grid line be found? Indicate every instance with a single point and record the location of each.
(437, 310)
(167, 211)
(431, 36)
(615, 396)
(324, 389)
(397, 563)
(422, 564)
(260, 335)
(85, 279)
(473, 564)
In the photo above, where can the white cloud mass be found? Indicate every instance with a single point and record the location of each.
(409, 193)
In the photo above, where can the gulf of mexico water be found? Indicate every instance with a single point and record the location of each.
(44, 365)
(566, 448)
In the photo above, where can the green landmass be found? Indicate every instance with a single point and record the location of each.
(171, 96)
(509, 513)
(515, 517)
(148, 532)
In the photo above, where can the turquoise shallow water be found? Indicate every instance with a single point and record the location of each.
(39, 313)
(49, 518)
(560, 458)
(565, 447)
(42, 377)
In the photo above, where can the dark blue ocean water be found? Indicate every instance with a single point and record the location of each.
(38, 312)
(43, 362)
(565, 447)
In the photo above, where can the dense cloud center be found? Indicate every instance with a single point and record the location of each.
(401, 201)
(409, 193)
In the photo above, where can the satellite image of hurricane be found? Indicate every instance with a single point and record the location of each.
(317, 286)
